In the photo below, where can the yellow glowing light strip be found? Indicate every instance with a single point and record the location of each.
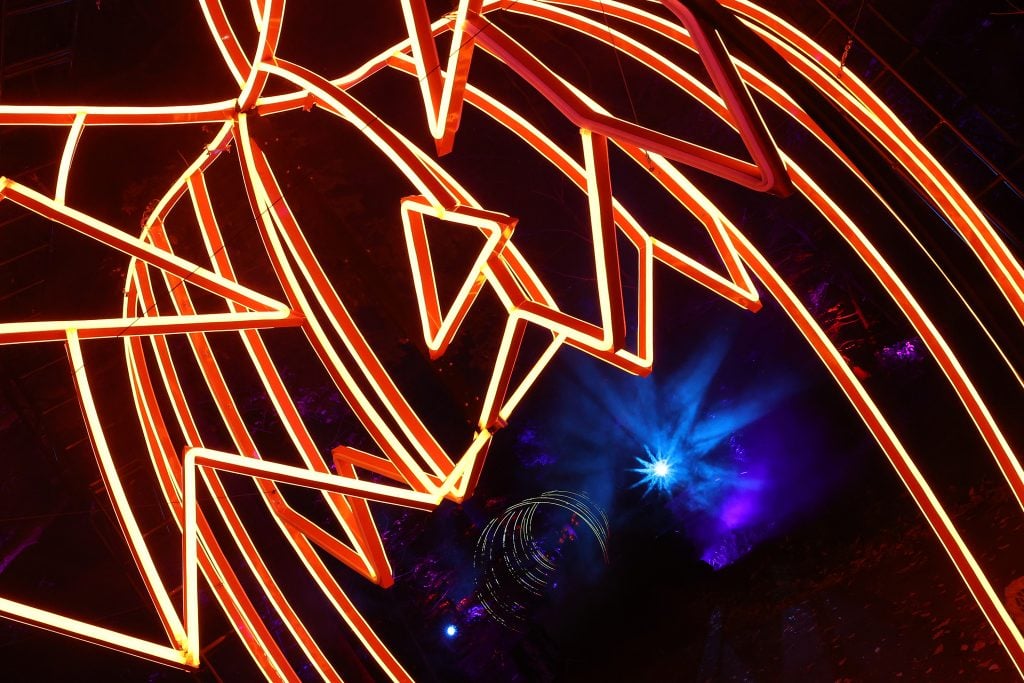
(581, 177)
(383, 136)
(442, 94)
(383, 434)
(226, 41)
(217, 145)
(269, 32)
(51, 621)
(438, 327)
(666, 68)
(369, 639)
(380, 381)
(35, 115)
(243, 441)
(123, 511)
(89, 226)
(65, 159)
(273, 665)
(1003, 267)
(283, 404)
(199, 343)
(301, 476)
(222, 579)
(762, 175)
(974, 577)
(53, 330)
(187, 650)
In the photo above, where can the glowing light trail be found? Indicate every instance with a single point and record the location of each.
(515, 563)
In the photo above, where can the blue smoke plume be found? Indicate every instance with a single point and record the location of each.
(717, 443)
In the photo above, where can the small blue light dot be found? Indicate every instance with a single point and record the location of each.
(451, 630)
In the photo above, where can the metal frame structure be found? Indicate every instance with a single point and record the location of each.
(419, 471)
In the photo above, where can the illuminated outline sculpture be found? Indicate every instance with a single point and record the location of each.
(423, 474)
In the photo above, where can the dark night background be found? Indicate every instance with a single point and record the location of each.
(787, 550)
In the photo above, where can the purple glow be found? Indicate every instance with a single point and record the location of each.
(730, 548)
(906, 351)
(739, 510)
(730, 448)
(531, 451)
(818, 296)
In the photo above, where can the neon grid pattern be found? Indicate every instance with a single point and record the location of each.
(419, 472)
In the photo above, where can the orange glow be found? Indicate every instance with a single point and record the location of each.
(419, 471)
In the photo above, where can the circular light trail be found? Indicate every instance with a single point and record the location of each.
(517, 558)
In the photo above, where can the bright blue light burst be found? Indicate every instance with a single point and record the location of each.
(451, 630)
(658, 471)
